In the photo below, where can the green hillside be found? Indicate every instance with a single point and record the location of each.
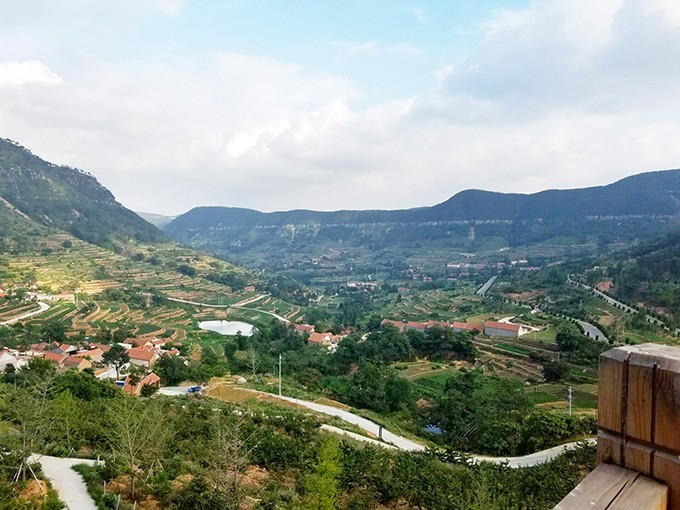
(553, 223)
(67, 199)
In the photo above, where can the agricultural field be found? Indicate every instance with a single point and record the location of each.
(555, 396)
(61, 263)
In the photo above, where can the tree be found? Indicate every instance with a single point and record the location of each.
(117, 356)
(253, 359)
(138, 432)
(228, 457)
(171, 370)
(27, 406)
(569, 338)
(54, 332)
(554, 371)
(322, 485)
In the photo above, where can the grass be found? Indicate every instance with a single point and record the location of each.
(513, 348)
(584, 395)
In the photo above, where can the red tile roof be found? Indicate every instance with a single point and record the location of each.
(141, 353)
(465, 326)
(304, 328)
(501, 325)
(57, 358)
(139, 342)
(397, 324)
(149, 379)
(91, 353)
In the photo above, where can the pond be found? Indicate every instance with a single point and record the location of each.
(433, 429)
(228, 327)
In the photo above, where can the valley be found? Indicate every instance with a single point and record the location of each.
(452, 335)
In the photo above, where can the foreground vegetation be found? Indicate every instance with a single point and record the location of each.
(189, 453)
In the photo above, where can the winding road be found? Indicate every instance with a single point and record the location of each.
(390, 439)
(238, 306)
(593, 331)
(43, 308)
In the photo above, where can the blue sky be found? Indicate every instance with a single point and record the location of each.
(341, 104)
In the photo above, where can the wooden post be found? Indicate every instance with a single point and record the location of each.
(639, 413)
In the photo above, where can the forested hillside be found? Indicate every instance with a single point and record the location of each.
(651, 273)
(68, 199)
(577, 222)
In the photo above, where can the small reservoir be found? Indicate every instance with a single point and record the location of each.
(228, 327)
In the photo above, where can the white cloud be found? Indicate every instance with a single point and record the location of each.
(562, 94)
(30, 71)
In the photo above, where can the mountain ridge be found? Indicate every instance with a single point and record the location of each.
(580, 222)
(624, 198)
(68, 199)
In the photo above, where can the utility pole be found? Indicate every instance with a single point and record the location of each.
(569, 391)
(280, 359)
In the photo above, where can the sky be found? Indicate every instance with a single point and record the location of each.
(341, 104)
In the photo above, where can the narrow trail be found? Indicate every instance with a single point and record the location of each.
(69, 485)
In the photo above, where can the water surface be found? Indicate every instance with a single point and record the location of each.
(228, 327)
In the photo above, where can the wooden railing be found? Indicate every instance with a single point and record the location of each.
(638, 442)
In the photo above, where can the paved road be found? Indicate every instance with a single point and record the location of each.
(272, 314)
(357, 437)
(239, 306)
(371, 427)
(593, 331)
(69, 484)
(619, 304)
(43, 308)
(195, 303)
(484, 288)
(249, 301)
(533, 459)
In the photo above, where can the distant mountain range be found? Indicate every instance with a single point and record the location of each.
(159, 220)
(66, 198)
(481, 221)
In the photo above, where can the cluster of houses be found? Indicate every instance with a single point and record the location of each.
(327, 340)
(490, 328)
(143, 354)
(405, 327)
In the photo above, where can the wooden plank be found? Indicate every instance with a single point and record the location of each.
(643, 493)
(611, 377)
(667, 470)
(609, 448)
(639, 397)
(667, 402)
(598, 489)
(638, 457)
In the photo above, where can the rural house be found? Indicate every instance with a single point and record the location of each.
(492, 328)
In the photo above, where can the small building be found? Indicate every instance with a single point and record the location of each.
(415, 326)
(492, 328)
(41, 347)
(104, 347)
(68, 348)
(136, 389)
(401, 326)
(142, 342)
(250, 288)
(57, 357)
(144, 357)
(76, 363)
(7, 358)
(328, 340)
(95, 354)
(304, 328)
(465, 326)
